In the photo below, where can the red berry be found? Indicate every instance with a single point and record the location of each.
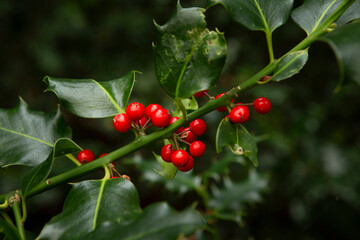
(197, 148)
(135, 111)
(143, 121)
(161, 118)
(188, 166)
(188, 135)
(151, 108)
(224, 108)
(85, 156)
(122, 122)
(200, 94)
(179, 158)
(172, 120)
(104, 154)
(262, 105)
(115, 177)
(166, 152)
(239, 114)
(198, 127)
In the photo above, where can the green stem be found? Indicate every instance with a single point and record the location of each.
(270, 45)
(24, 211)
(73, 159)
(19, 224)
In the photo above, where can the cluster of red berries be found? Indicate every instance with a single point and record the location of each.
(179, 157)
(139, 117)
(240, 113)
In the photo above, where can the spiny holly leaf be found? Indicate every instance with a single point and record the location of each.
(313, 13)
(229, 199)
(158, 221)
(258, 15)
(27, 137)
(39, 173)
(91, 203)
(237, 139)
(218, 168)
(345, 41)
(290, 65)
(91, 99)
(188, 57)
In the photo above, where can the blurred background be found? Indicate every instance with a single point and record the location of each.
(310, 144)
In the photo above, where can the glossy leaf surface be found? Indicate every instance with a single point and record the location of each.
(258, 15)
(345, 41)
(158, 221)
(188, 57)
(237, 139)
(40, 172)
(92, 99)
(91, 203)
(27, 137)
(312, 13)
(290, 65)
(352, 13)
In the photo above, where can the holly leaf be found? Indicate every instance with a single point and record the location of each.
(39, 173)
(345, 42)
(158, 221)
(258, 15)
(352, 13)
(228, 200)
(92, 99)
(188, 57)
(91, 203)
(290, 65)
(313, 13)
(237, 139)
(27, 137)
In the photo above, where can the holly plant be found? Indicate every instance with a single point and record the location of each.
(189, 58)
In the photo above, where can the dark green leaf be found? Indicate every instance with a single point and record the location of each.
(8, 230)
(312, 13)
(27, 137)
(345, 41)
(290, 65)
(237, 139)
(188, 57)
(258, 15)
(230, 198)
(91, 99)
(158, 221)
(39, 173)
(91, 203)
(352, 13)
